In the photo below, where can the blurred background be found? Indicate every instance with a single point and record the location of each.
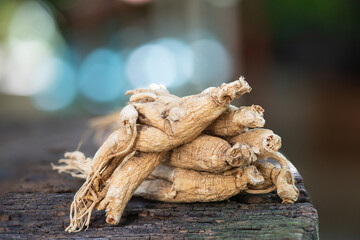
(67, 61)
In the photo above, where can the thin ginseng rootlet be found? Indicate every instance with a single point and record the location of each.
(162, 147)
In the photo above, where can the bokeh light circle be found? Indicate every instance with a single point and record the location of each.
(151, 63)
(60, 91)
(31, 21)
(101, 76)
(212, 62)
(184, 59)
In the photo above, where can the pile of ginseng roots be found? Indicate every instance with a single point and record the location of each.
(162, 147)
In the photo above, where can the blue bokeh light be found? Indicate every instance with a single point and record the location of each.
(61, 89)
(151, 63)
(160, 65)
(101, 76)
(165, 61)
(184, 59)
(213, 63)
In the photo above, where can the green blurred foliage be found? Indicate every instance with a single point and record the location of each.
(7, 8)
(290, 19)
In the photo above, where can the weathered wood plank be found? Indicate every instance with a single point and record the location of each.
(46, 215)
(40, 208)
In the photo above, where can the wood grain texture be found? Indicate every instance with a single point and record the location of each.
(39, 207)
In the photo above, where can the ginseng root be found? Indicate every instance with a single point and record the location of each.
(276, 178)
(184, 119)
(211, 154)
(111, 122)
(159, 187)
(284, 181)
(124, 181)
(198, 167)
(181, 120)
(155, 103)
(235, 120)
(181, 185)
(266, 145)
(182, 126)
(75, 164)
(262, 141)
(106, 159)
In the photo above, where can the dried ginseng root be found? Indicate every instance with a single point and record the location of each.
(166, 126)
(235, 120)
(262, 141)
(181, 185)
(232, 122)
(75, 163)
(105, 161)
(181, 124)
(276, 178)
(266, 144)
(211, 154)
(124, 181)
(111, 122)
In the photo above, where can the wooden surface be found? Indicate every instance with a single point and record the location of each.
(38, 206)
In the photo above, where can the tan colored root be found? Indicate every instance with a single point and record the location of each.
(261, 191)
(111, 122)
(240, 155)
(210, 154)
(262, 141)
(284, 181)
(156, 122)
(276, 178)
(145, 140)
(269, 172)
(183, 196)
(191, 186)
(236, 120)
(194, 186)
(165, 191)
(185, 118)
(75, 164)
(180, 125)
(164, 172)
(117, 146)
(229, 91)
(186, 186)
(181, 119)
(184, 125)
(124, 181)
(156, 189)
